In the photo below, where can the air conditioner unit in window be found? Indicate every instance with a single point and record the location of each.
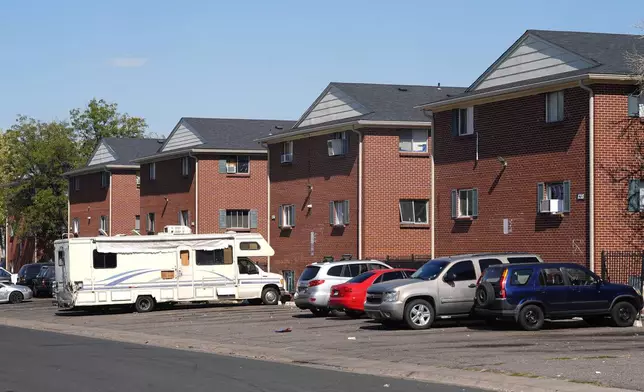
(177, 229)
(138, 181)
(552, 206)
(231, 169)
(286, 158)
(335, 147)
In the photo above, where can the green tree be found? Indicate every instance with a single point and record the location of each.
(35, 156)
(101, 119)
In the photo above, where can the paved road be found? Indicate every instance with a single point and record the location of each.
(44, 361)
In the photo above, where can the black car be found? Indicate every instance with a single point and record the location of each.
(43, 283)
(28, 273)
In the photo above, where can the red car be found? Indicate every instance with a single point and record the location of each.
(350, 296)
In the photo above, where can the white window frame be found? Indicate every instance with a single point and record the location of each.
(413, 207)
(137, 223)
(76, 226)
(151, 222)
(105, 179)
(239, 217)
(138, 180)
(466, 121)
(470, 203)
(184, 219)
(551, 187)
(235, 164)
(153, 171)
(287, 152)
(338, 213)
(76, 184)
(103, 223)
(558, 97)
(287, 216)
(419, 140)
(342, 136)
(185, 166)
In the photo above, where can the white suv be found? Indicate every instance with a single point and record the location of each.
(314, 285)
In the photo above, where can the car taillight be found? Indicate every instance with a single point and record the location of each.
(315, 282)
(346, 289)
(502, 282)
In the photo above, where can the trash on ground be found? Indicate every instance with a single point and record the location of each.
(351, 338)
(284, 330)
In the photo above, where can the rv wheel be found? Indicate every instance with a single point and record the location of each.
(270, 296)
(144, 304)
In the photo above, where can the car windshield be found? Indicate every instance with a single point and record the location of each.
(309, 272)
(362, 277)
(430, 270)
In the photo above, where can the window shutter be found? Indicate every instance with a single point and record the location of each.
(331, 220)
(253, 219)
(222, 166)
(455, 115)
(475, 202)
(470, 120)
(346, 212)
(222, 219)
(454, 204)
(633, 105)
(566, 196)
(633, 195)
(540, 189)
(292, 222)
(280, 216)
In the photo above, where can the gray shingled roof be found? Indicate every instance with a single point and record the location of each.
(128, 149)
(607, 50)
(229, 133)
(385, 102)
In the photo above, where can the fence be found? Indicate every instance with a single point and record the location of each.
(626, 267)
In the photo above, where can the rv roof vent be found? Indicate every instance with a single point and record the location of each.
(231, 232)
(177, 229)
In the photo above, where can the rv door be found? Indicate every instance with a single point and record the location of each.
(185, 281)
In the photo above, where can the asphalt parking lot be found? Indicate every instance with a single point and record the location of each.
(562, 351)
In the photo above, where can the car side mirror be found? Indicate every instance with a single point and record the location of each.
(449, 277)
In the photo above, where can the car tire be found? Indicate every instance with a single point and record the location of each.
(531, 318)
(595, 321)
(270, 296)
(16, 297)
(354, 314)
(144, 304)
(485, 294)
(419, 314)
(623, 314)
(255, 301)
(320, 312)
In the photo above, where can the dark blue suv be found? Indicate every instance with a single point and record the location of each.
(530, 293)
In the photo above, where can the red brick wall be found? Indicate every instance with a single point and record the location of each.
(125, 202)
(536, 152)
(332, 178)
(170, 184)
(388, 177)
(88, 204)
(231, 192)
(616, 136)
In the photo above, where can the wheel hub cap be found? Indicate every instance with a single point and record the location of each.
(270, 296)
(420, 315)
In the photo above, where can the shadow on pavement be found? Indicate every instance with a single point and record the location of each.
(98, 311)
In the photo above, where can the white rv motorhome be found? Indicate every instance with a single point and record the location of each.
(169, 267)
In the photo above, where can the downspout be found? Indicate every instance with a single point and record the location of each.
(191, 155)
(359, 133)
(109, 232)
(591, 173)
(432, 202)
(268, 201)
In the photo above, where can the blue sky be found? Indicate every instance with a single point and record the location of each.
(257, 59)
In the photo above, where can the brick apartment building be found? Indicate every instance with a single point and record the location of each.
(210, 175)
(104, 194)
(353, 176)
(538, 154)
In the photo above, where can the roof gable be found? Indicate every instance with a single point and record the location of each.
(103, 154)
(182, 136)
(530, 57)
(332, 105)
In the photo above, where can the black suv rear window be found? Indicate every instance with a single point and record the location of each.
(309, 273)
(522, 260)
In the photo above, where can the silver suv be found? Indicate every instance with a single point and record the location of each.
(443, 288)
(314, 285)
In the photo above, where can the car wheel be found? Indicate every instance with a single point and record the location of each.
(16, 297)
(485, 294)
(595, 320)
(354, 314)
(144, 304)
(531, 318)
(419, 314)
(623, 314)
(255, 301)
(320, 312)
(270, 296)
